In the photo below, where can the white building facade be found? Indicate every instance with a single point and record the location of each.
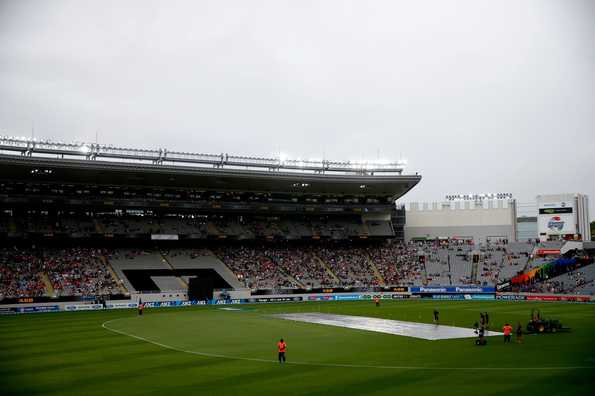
(480, 221)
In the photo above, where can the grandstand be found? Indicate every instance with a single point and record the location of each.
(132, 204)
(128, 223)
(265, 268)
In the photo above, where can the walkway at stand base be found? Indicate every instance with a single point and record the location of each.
(397, 327)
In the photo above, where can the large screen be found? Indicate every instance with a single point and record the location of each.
(556, 218)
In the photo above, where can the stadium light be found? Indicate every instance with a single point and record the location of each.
(478, 197)
(161, 156)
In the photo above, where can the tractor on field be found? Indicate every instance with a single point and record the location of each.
(538, 325)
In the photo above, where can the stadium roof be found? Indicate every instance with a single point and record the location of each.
(66, 167)
(94, 151)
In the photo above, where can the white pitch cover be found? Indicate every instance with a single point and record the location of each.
(397, 327)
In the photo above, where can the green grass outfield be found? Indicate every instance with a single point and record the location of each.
(209, 351)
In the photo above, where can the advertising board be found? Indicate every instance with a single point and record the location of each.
(552, 297)
(83, 307)
(7, 311)
(452, 289)
(463, 297)
(168, 304)
(556, 218)
(226, 302)
(559, 298)
(122, 305)
(39, 308)
(272, 299)
(321, 298)
(347, 297)
(164, 237)
(447, 297)
(511, 297)
(480, 297)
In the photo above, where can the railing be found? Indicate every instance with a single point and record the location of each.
(94, 151)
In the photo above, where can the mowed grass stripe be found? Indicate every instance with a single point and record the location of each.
(70, 354)
(220, 356)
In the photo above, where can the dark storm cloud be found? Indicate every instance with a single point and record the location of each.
(479, 96)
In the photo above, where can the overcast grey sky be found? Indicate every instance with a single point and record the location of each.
(479, 96)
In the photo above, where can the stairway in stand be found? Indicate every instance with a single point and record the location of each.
(375, 271)
(327, 268)
(107, 264)
(49, 289)
(181, 280)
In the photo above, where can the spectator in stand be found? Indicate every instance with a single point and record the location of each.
(78, 272)
(20, 274)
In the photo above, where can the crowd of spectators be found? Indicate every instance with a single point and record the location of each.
(254, 267)
(302, 265)
(500, 263)
(350, 264)
(78, 272)
(20, 274)
(566, 283)
(398, 263)
(70, 272)
(576, 279)
(269, 266)
(83, 271)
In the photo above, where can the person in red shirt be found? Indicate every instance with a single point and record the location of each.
(507, 329)
(281, 346)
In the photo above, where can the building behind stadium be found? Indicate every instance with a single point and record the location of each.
(563, 217)
(493, 217)
(477, 217)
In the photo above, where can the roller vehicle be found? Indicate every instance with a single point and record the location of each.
(538, 324)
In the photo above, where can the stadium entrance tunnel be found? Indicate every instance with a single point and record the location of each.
(141, 279)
